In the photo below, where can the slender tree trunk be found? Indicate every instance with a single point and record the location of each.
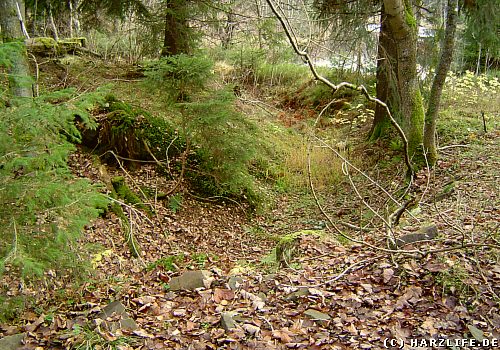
(478, 64)
(70, 6)
(438, 83)
(19, 72)
(385, 78)
(53, 27)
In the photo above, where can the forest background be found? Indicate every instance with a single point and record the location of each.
(351, 120)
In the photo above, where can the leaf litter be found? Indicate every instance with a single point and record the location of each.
(301, 306)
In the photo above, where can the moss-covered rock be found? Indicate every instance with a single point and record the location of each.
(286, 248)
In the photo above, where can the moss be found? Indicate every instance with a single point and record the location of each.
(73, 42)
(47, 42)
(415, 134)
(124, 192)
(409, 17)
(379, 129)
(286, 247)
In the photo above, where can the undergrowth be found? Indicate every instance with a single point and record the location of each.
(222, 143)
(469, 104)
(44, 207)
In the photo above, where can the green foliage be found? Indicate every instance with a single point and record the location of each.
(285, 74)
(175, 202)
(10, 308)
(465, 98)
(454, 280)
(481, 32)
(133, 133)
(87, 338)
(7, 50)
(169, 263)
(44, 206)
(200, 259)
(222, 142)
(179, 76)
(246, 60)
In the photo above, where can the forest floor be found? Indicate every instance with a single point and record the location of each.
(331, 293)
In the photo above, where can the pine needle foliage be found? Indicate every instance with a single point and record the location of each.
(43, 206)
(223, 141)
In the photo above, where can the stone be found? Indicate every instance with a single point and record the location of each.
(227, 321)
(190, 280)
(295, 296)
(116, 308)
(317, 316)
(251, 329)
(234, 282)
(12, 342)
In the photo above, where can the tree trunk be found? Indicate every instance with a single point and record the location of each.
(19, 73)
(53, 28)
(403, 92)
(385, 57)
(175, 41)
(438, 83)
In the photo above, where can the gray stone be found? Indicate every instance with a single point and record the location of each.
(302, 291)
(227, 321)
(114, 307)
(234, 282)
(191, 280)
(316, 315)
(117, 308)
(12, 342)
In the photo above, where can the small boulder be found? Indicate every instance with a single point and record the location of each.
(317, 316)
(116, 310)
(234, 282)
(227, 321)
(12, 342)
(295, 296)
(190, 280)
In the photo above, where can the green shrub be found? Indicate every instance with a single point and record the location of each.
(222, 142)
(44, 208)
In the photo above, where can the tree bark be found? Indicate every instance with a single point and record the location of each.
(438, 82)
(175, 41)
(19, 73)
(385, 57)
(403, 92)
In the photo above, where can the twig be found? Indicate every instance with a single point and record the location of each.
(135, 210)
(357, 169)
(166, 153)
(340, 275)
(427, 184)
(396, 215)
(354, 227)
(130, 177)
(346, 172)
(452, 146)
(12, 254)
(37, 75)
